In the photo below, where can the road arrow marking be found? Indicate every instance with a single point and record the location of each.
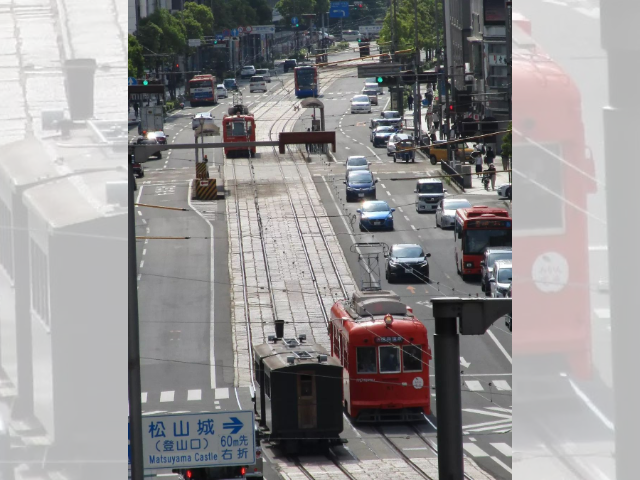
(464, 363)
(411, 289)
(235, 425)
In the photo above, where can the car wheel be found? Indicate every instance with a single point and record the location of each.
(386, 274)
(433, 159)
(509, 193)
(437, 222)
(390, 278)
(428, 277)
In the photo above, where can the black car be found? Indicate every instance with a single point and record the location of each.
(407, 259)
(380, 135)
(290, 64)
(491, 254)
(230, 84)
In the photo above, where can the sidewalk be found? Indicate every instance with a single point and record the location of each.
(476, 188)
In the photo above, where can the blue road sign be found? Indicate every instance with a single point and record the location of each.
(192, 440)
(339, 10)
(133, 81)
(294, 20)
(234, 32)
(226, 33)
(219, 36)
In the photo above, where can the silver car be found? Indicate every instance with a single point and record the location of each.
(354, 163)
(500, 279)
(446, 211)
(360, 104)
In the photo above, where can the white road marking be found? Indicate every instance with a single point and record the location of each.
(347, 148)
(406, 218)
(382, 185)
(144, 251)
(502, 385)
(167, 396)
(144, 397)
(608, 423)
(502, 464)
(139, 276)
(141, 263)
(139, 213)
(387, 191)
(400, 208)
(474, 450)
(500, 347)
(484, 412)
(412, 449)
(474, 385)
(503, 448)
(222, 393)
(413, 227)
(144, 222)
(194, 395)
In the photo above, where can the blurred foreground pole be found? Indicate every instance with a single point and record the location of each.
(617, 19)
(135, 397)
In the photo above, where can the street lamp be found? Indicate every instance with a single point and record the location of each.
(201, 120)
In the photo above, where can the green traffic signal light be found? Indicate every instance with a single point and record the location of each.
(379, 79)
(146, 82)
(297, 25)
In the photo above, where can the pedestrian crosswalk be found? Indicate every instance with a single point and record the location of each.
(487, 385)
(166, 401)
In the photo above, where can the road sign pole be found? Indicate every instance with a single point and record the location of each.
(135, 393)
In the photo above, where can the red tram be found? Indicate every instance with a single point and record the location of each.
(239, 128)
(385, 353)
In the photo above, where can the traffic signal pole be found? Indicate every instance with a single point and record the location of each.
(620, 121)
(417, 115)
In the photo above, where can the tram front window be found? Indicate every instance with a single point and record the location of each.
(412, 358)
(389, 360)
(238, 129)
(366, 359)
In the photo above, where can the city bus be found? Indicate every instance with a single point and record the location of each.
(554, 176)
(203, 90)
(306, 79)
(475, 229)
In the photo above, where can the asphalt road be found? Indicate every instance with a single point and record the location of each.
(487, 377)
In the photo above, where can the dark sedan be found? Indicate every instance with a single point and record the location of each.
(380, 135)
(407, 259)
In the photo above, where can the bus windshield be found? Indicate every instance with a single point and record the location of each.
(306, 76)
(475, 241)
(200, 84)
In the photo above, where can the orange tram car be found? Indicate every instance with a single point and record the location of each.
(385, 354)
(239, 127)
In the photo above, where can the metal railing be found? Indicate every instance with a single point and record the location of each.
(454, 175)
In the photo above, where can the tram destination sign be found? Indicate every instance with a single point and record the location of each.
(379, 70)
(192, 440)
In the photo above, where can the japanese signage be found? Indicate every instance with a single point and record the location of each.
(497, 60)
(389, 339)
(263, 29)
(198, 440)
(489, 223)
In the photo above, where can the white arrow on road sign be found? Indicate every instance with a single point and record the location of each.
(464, 363)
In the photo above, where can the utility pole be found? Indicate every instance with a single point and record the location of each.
(507, 5)
(446, 80)
(417, 131)
(135, 395)
(620, 120)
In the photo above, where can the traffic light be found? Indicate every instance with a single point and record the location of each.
(379, 79)
(145, 83)
(177, 65)
(215, 42)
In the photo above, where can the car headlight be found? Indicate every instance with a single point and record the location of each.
(468, 265)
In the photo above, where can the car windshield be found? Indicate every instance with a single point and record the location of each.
(430, 187)
(357, 162)
(231, 82)
(391, 114)
(375, 207)
(504, 275)
(454, 204)
(360, 176)
(261, 71)
(477, 240)
(360, 98)
(385, 130)
(401, 138)
(407, 251)
(248, 67)
(371, 93)
(494, 257)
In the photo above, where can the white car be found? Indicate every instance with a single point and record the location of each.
(446, 211)
(222, 92)
(372, 84)
(504, 190)
(208, 119)
(264, 72)
(247, 71)
(360, 104)
(257, 83)
(358, 162)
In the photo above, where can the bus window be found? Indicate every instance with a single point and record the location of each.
(458, 230)
(412, 358)
(366, 358)
(389, 359)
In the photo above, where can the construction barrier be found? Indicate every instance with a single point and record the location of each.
(206, 189)
(201, 171)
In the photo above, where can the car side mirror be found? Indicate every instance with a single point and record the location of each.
(359, 210)
(345, 182)
(482, 264)
(393, 210)
(492, 280)
(445, 190)
(376, 181)
(428, 255)
(415, 191)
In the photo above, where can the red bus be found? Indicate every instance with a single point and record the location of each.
(553, 176)
(203, 90)
(385, 353)
(475, 229)
(239, 128)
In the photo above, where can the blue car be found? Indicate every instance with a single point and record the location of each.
(360, 185)
(376, 215)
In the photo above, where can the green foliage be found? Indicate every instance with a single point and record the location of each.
(136, 60)
(506, 144)
(405, 27)
(295, 8)
(201, 15)
(161, 32)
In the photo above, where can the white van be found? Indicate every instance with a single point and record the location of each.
(429, 192)
(257, 83)
(351, 36)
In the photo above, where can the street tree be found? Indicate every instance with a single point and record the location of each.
(136, 60)
(200, 14)
(295, 8)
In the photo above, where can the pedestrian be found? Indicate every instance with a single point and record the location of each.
(136, 107)
(410, 101)
(490, 156)
(477, 156)
(436, 119)
(306, 144)
(433, 135)
(491, 171)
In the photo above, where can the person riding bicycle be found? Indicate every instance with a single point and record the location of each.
(490, 173)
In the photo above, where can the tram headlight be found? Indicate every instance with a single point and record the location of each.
(468, 265)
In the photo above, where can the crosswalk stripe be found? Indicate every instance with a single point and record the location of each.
(222, 393)
(474, 385)
(474, 450)
(502, 385)
(503, 448)
(194, 395)
(167, 396)
(144, 397)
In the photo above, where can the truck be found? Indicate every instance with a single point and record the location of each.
(151, 119)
